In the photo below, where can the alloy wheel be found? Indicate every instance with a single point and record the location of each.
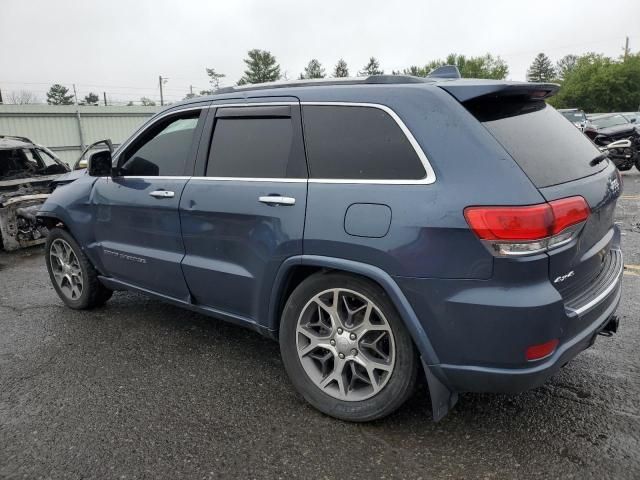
(66, 269)
(345, 344)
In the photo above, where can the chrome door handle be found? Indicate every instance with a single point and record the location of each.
(274, 200)
(162, 194)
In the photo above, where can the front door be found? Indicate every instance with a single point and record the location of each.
(244, 214)
(137, 227)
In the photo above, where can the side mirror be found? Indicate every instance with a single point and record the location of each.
(633, 120)
(100, 164)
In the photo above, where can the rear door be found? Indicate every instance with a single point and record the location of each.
(137, 224)
(242, 214)
(561, 162)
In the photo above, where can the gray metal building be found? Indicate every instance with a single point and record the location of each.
(67, 129)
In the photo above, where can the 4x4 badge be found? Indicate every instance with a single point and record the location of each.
(562, 278)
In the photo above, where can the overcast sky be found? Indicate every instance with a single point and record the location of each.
(121, 46)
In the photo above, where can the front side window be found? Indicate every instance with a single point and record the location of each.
(358, 143)
(260, 147)
(163, 149)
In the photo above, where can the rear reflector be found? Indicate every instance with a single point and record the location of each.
(523, 230)
(537, 352)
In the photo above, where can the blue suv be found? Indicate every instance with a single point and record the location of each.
(375, 226)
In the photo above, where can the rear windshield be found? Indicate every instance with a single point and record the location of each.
(549, 149)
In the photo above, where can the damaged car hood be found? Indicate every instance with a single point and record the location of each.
(20, 181)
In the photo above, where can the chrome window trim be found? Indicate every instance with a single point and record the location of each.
(427, 180)
(251, 179)
(213, 179)
(150, 177)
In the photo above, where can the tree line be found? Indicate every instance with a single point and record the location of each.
(593, 82)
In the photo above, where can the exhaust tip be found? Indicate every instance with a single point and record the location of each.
(610, 327)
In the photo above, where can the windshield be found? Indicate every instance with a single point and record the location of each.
(26, 162)
(609, 121)
(575, 117)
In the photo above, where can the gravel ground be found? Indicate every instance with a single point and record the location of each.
(140, 389)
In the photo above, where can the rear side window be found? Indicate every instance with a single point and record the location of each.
(549, 149)
(251, 147)
(358, 143)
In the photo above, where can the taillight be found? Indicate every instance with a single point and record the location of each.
(524, 230)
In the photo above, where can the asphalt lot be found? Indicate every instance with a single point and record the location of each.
(140, 389)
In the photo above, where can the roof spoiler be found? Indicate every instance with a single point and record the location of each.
(445, 71)
(532, 91)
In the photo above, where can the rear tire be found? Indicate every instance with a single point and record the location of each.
(345, 347)
(72, 275)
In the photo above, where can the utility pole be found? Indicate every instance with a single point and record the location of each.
(161, 81)
(0, 97)
(75, 94)
(191, 90)
(104, 95)
(626, 49)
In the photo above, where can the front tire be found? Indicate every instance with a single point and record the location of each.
(72, 275)
(345, 347)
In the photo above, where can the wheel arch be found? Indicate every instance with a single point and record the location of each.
(51, 220)
(443, 398)
(296, 269)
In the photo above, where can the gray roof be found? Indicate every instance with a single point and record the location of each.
(343, 89)
(8, 142)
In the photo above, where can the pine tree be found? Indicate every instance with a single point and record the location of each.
(341, 69)
(91, 99)
(57, 95)
(261, 67)
(371, 68)
(313, 70)
(541, 70)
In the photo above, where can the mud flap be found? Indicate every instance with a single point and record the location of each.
(442, 399)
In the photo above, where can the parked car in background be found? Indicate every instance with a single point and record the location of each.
(412, 224)
(575, 116)
(27, 172)
(608, 123)
(620, 137)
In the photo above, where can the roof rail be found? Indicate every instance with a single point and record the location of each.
(370, 80)
(445, 71)
(15, 137)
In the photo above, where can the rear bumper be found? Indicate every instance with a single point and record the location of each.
(480, 330)
(513, 380)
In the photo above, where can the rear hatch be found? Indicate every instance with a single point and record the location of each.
(561, 162)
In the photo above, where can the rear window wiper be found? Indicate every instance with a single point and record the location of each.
(598, 159)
